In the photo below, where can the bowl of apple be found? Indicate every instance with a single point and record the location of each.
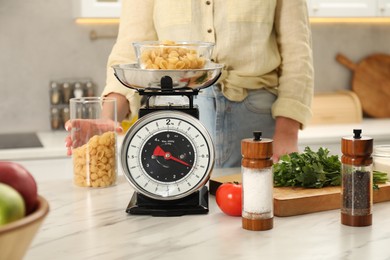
(22, 210)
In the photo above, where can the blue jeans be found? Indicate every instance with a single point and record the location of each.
(229, 122)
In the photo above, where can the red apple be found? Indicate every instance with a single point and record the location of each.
(16, 176)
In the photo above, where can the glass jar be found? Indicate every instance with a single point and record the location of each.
(381, 157)
(94, 141)
(55, 93)
(55, 119)
(66, 92)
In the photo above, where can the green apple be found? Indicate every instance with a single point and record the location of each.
(11, 204)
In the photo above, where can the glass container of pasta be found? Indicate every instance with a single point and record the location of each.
(170, 55)
(94, 141)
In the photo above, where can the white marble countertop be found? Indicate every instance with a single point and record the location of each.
(88, 223)
(379, 129)
(53, 143)
(314, 136)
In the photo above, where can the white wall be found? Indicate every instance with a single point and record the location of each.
(40, 42)
(356, 41)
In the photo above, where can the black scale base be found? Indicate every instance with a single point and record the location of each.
(196, 203)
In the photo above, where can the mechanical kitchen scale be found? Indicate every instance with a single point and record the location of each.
(168, 155)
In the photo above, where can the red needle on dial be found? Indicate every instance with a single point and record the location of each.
(158, 151)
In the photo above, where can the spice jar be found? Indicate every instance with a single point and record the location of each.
(55, 119)
(357, 180)
(89, 86)
(257, 183)
(381, 157)
(66, 92)
(78, 91)
(55, 93)
(65, 114)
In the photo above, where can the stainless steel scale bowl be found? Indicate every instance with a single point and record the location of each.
(132, 76)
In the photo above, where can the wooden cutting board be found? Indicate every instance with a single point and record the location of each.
(371, 83)
(339, 107)
(289, 201)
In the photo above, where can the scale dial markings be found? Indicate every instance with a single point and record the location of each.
(167, 155)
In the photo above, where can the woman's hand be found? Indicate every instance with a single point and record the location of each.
(285, 137)
(81, 130)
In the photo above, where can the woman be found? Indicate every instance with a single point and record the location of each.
(267, 82)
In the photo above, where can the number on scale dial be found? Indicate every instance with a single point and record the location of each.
(167, 155)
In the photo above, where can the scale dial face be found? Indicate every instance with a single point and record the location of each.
(167, 155)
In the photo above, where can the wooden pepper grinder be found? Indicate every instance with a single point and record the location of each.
(357, 180)
(257, 183)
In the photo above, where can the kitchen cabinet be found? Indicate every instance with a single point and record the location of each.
(96, 8)
(317, 8)
(343, 8)
(383, 7)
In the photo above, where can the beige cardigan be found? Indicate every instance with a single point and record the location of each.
(263, 44)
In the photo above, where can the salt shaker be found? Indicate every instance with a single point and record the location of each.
(257, 183)
(357, 180)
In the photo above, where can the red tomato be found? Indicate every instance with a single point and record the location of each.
(228, 198)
